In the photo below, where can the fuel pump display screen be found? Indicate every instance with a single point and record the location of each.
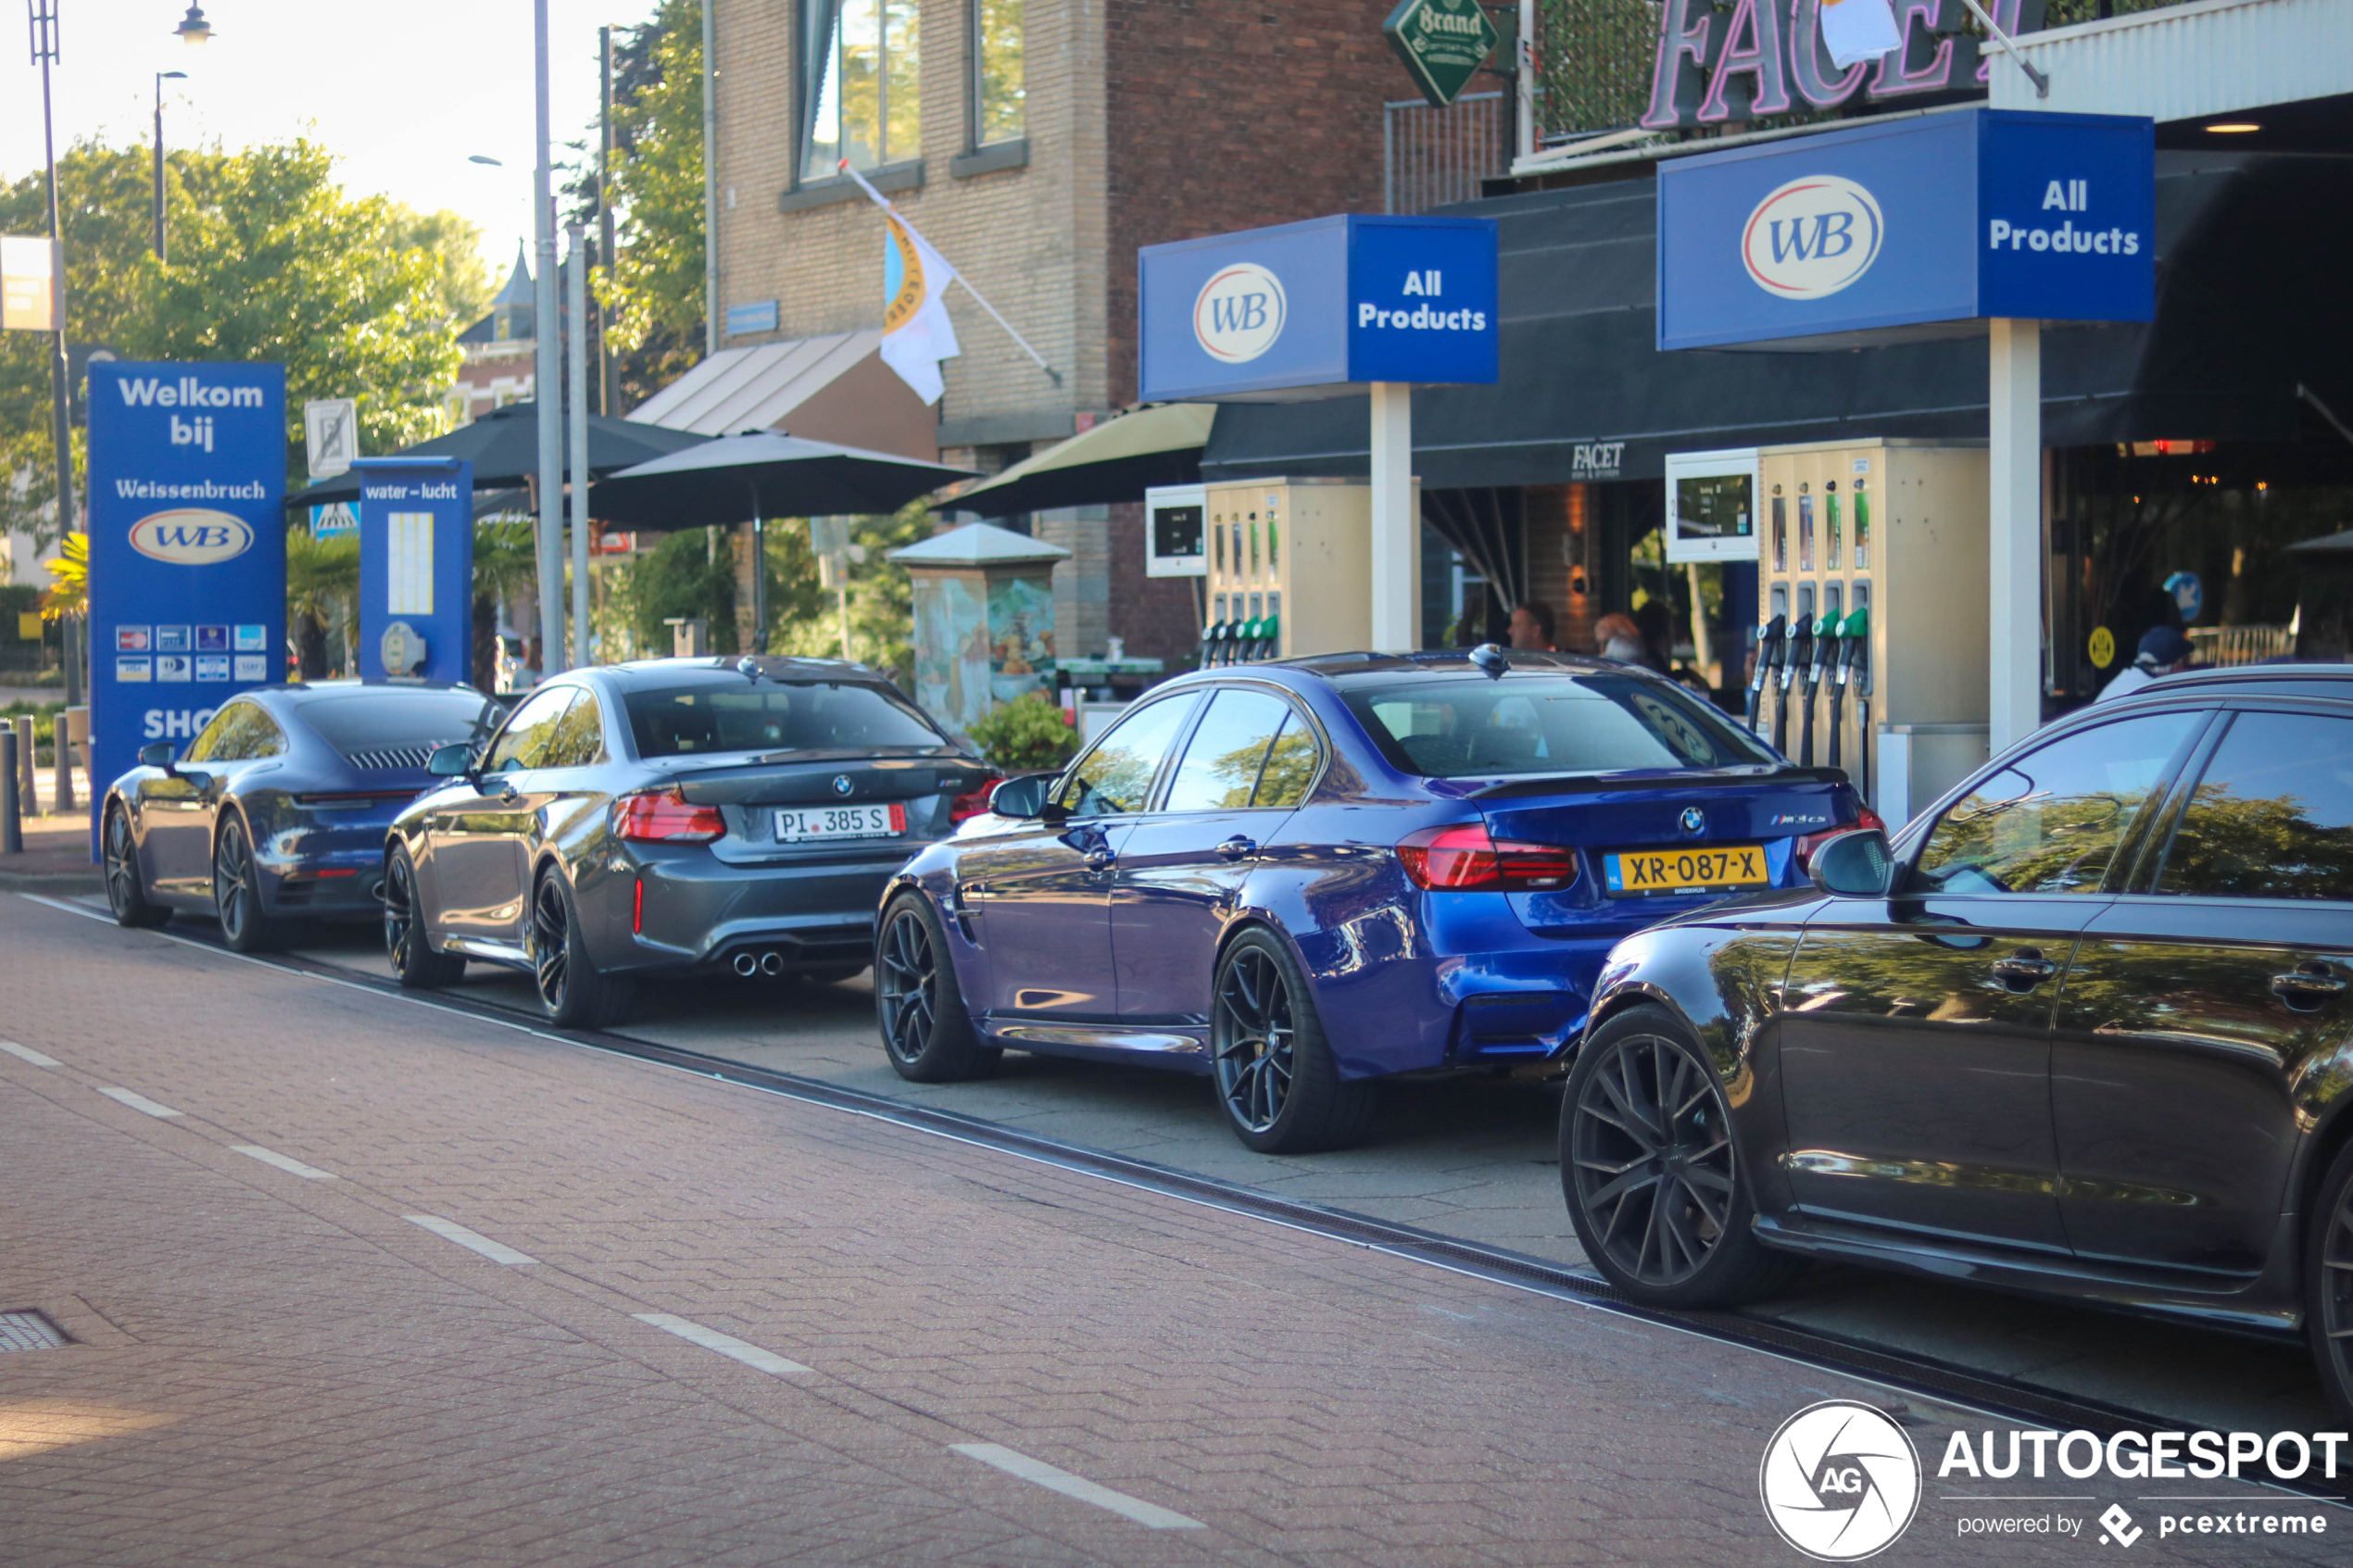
(1720, 506)
(1711, 506)
(1176, 534)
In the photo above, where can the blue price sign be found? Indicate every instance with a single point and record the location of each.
(416, 567)
(187, 550)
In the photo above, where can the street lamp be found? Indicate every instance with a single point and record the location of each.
(161, 77)
(44, 14)
(193, 28)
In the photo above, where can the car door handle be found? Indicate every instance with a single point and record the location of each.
(1237, 848)
(1101, 859)
(2023, 970)
(2307, 987)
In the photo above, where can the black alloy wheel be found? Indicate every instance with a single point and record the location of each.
(926, 1031)
(126, 895)
(572, 991)
(1652, 1173)
(2328, 1283)
(236, 892)
(1277, 1080)
(414, 963)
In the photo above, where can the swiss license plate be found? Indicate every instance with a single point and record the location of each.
(1702, 868)
(809, 822)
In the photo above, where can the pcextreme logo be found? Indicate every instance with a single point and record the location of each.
(1840, 1481)
(191, 536)
(1812, 237)
(1239, 313)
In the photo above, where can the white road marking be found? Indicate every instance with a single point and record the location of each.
(725, 1344)
(25, 1053)
(474, 1241)
(137, 1101)
(1152, 1516)
(285, 1163)
(68, 908)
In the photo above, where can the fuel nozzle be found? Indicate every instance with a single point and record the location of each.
(1855, 643)
(1768, 656)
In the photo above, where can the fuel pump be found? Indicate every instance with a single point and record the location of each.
(1801, 654)
(1826, 638)
(1769, 654)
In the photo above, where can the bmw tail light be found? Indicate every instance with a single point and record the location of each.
(663, 816)
(1813, 841)
(1465, 858)
(966, 807)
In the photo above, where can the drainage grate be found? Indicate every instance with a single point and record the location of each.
(29, 1331)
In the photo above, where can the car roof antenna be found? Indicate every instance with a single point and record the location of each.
(1490, 658)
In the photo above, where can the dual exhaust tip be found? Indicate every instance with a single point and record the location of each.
(770, 963)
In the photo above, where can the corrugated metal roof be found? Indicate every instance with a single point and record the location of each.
(757, 388)
(2185, 62)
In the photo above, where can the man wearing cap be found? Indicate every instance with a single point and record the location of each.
(2163, 650)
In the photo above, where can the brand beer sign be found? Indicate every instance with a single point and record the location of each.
(1917, 227)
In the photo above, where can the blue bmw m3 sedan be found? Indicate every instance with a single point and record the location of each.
(1301, 877)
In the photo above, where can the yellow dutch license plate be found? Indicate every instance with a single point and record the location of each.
(1701, 869)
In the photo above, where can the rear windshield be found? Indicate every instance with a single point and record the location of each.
(1544, 723)
(382, 717)
(796, 716)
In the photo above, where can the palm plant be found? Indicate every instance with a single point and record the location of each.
(505, 564)
(323, 586)
(69, 591)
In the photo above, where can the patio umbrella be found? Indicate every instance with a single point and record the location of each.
(503, 445)
(757, 475)
(1117, 460)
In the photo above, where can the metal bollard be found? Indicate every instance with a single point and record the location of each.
(11, 821)
(28, 773)
(61, 771)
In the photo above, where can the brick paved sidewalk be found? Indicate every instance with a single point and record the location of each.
(357, 1280)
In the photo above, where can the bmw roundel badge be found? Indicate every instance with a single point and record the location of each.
(842, 787)
(1694, 821)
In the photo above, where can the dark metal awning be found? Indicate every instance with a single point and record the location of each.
(2250, 306)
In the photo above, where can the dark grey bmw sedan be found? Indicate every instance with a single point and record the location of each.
(738, 816)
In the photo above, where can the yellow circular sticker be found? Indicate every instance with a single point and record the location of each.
(2103, 647)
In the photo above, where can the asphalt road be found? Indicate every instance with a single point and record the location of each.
(353, 1277)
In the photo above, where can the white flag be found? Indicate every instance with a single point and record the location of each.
(917, 333)
(1858, 30)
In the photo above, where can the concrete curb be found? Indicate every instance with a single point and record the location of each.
(55, 884)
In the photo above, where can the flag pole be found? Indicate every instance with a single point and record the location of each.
(954, 276)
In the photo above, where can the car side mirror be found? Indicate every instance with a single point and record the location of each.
(1853, 865)
(157, 754)
(1023, 798)
(452, 761)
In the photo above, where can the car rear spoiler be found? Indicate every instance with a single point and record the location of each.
(1596, 783)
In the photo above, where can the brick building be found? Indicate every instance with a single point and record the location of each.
(497, 368)
(1038, 143)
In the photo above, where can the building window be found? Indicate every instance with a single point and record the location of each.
(863, 63)
(998, 91)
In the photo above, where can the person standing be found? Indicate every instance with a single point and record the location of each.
(1532, 626)
(1621, 638)
(2163, 650)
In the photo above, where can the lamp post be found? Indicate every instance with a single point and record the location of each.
(161, 77)
(44, 53)
(193, 28)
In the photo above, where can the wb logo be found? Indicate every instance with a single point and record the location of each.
(1812, 237)
(192, 433)
(1237, 313)
(1834, 236)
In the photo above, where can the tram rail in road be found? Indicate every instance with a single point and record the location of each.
(1928, 1377)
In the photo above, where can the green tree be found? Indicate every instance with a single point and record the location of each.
(322, 593)
(656, 294)
(882, 600)
(271, 260)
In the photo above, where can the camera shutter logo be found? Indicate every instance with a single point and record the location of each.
(1239, 313)
(1840, 1481)
(1812, 237)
